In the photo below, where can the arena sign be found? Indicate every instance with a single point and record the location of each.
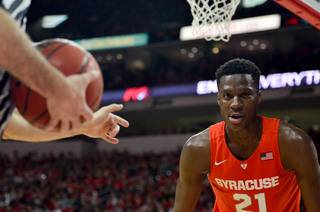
(271, 81)
(280, 80)
(136, 94)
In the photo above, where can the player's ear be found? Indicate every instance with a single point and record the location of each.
(259, 97)
(218, 99)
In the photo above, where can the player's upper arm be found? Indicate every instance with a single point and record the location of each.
(194, 163)
(298, 153)
(196, 155)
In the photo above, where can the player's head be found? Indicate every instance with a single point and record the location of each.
(239, 66)
(239, 94)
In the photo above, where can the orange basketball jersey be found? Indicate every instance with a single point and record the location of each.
(258, 184)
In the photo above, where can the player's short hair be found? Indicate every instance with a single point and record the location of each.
(239, 66)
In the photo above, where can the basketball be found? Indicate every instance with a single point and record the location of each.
(68, 57)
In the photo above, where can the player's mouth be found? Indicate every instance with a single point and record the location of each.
(236, 118)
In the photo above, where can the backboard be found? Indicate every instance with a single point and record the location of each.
(309, 10)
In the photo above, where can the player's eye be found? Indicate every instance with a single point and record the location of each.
(227, 96)
(246, 95)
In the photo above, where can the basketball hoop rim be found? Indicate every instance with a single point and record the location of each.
(303, 10)
(307, 7)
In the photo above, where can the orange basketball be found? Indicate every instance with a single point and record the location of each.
(68, 57)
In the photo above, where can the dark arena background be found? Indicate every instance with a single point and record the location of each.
(168, 89)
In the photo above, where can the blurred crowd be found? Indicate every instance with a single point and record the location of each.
(107, 182)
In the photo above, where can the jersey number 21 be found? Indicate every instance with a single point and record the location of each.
(247, 201)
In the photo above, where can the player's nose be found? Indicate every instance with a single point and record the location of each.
(236, 103)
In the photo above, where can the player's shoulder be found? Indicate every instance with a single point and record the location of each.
(291, 134)
(199, 140)
(196, 153)
(293, 143)
(198, 144)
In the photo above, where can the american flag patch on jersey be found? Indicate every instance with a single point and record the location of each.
(266, 156)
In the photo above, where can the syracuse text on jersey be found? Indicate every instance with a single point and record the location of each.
(254, 184)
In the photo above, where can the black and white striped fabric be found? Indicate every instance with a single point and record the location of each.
(18, 10)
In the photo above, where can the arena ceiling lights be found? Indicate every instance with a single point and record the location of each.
(252, 3)
(52, 21)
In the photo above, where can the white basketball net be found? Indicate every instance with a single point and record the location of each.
(211, 18)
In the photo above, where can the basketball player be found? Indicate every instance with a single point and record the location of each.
(253, 163)
(65, 95)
